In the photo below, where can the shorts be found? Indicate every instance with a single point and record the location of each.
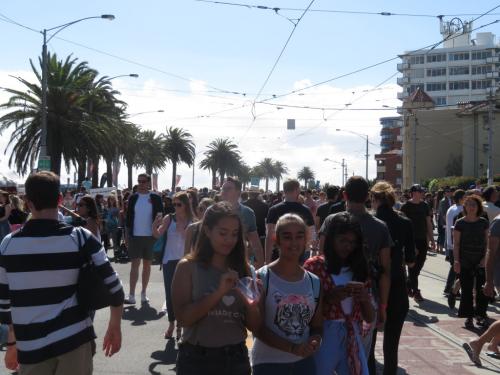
(141, 247)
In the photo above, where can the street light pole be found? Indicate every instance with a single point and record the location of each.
(491, 106)
(367, 155)
(44, 158)
(364, 136)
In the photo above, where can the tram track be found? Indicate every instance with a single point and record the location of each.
(449, 337)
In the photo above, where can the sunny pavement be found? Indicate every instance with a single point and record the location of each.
(430, 344)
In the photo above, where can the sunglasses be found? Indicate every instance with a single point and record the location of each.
(177, 204)
(142, 181)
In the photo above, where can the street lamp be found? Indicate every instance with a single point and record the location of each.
(344, 168)
(364, 136)
(133, 75)
(44, 159)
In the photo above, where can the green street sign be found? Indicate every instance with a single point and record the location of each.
(44, 163)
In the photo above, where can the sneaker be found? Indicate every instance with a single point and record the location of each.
(469, 323)
(452, 298)
(130, 300)
(144, 298)
(482, 321)
(417, 296)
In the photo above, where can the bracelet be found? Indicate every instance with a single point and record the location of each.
(10, 343)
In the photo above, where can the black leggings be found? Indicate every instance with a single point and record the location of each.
(414, 272)
(467, 277)
(397, 309)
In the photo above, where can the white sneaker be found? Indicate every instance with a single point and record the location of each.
(130, 300)
(144, 298)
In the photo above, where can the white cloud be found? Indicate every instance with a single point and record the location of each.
(207, 115)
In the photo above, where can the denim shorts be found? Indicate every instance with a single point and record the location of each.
(305, 366)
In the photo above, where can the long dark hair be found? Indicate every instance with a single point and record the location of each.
(203, 250)
(343, 223)
(183, 197)
(91, 207)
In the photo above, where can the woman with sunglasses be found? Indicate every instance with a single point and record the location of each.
(175, 227)
(87, 216)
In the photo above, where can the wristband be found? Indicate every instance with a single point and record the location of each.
(382, 306)
(10, 343)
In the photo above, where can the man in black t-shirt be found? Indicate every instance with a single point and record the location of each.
(291, 190)
(420, 215)
(324, 210)
(260, 209)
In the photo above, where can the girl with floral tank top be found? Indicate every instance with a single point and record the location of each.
(214, 314)
(347, 304)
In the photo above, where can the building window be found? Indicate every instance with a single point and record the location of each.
(440, 100)
(436, 86)
(436, 57)
(413, 88)
(436, 72)
(480, 69)
(480, 55)
(459, 70)
(457, 56)
(399, 166)
(399, 181)
(458, 85)
(416, 59)
(483, 84)
(380, 162)
(417, 73)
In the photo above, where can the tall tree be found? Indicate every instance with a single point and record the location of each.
(130, 148)
(178, 148)
(305, 174)
(152, 154)
(223, 156)
(267, 168)
(279, 170)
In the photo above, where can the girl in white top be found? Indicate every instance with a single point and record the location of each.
(175, 225)
(291, 307)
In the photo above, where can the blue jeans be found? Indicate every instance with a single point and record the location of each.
(168, 275)
(305, 366)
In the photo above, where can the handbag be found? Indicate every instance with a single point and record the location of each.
(92, 294)
(160, 243)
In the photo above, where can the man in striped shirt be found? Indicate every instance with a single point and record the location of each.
(39, 268)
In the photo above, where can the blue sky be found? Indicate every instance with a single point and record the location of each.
(234, 48)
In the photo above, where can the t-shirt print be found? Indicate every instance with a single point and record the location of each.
(293, 314)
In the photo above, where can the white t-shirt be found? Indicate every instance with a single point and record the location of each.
(451, 214)
(174, 248)
(342, 279)
(143, 216)
(290, 307)
(491, 210)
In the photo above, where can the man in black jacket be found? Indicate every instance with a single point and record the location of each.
(143, 206)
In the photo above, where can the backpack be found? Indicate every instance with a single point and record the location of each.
(263, 274)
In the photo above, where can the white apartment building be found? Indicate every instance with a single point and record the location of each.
(461, 69)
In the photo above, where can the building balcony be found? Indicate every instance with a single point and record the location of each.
(402, 95)
(403, 80)
(493, 60)
(403, 66)
(492, 75)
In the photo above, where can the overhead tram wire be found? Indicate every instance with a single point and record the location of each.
(295, 24)
(355, 12)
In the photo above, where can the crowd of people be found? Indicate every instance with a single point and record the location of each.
(313, 275)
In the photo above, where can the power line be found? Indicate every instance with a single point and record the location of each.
(357, 12)
(4, 18)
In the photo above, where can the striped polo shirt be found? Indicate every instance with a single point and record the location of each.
(39, 268)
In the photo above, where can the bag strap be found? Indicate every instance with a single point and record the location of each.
(263, 273)
(316, 287)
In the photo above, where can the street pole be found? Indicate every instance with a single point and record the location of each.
(343, 173)
(414, 167)
(194, 164)
(490, 138)
(43, 133)
(366, 172)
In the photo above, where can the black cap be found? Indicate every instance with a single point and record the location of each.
(416, 187)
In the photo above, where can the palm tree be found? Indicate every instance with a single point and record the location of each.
(152, 153)
(222, 156)
(178, 148)
(279, 170)
(67, 115)
(130, 148)
(244, 174)
(305, 174)
(266, 166)
(209, 164)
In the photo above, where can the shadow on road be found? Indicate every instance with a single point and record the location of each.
(420, 320)
(433, 307)
(163, 357)
(142, 315)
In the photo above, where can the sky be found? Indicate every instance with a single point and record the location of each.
(207, 66)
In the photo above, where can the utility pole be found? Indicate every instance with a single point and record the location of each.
(343, 172)
(491, 118)
(366, 172)
(414, 161)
